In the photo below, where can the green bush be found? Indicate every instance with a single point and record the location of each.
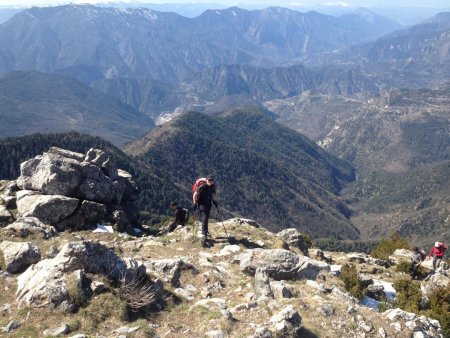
(387, 246)
(105, 306)
(352, 282)
(439, 308)
(408, 295)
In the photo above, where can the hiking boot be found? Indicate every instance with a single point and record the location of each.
(203, 242)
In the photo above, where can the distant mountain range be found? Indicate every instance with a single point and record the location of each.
(167, 47)
(394, 132)
(32, 102)
(416, 57)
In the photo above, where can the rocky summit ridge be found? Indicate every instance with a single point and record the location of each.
(60, 278)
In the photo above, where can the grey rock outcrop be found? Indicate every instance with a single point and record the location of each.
(280, 264)
(5, 215)
(288, 322)
(46, 283)
(295, 239)
(241, 221)
(26, 226)
(169, 270)
(71, 190)
(263, 290)
(49, 209)
(417, 324)
(19, 255)
(437, 280)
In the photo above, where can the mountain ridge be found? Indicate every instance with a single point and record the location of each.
(37, 102)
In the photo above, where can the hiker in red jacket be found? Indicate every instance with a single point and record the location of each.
(437, 252)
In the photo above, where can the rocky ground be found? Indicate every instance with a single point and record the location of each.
(252, 283)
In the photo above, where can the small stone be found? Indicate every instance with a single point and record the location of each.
(382, 332)
(326, 310)
(62, 330)
(227, 314)
(12, 325)
(351, 310)
(97, 287)
(5, 308)
(80, 335)
(215, 334)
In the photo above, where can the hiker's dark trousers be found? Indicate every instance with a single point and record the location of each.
(204, 214)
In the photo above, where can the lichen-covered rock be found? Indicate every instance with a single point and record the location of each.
(262, 286)
(429, 327)
(295, 239)
(280, 264)
(19, 255)
(51, 173)
(45, 283)
(288, 322)
(49, 209)
(277, 263)
(401, 255)
(169, 270)
(240, 222)
(25, 226)
(97, 189)
(435, 281)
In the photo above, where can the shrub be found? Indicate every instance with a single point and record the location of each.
(387, 246)
(138, 292)
(439, 308)
(408, 295)
(105, 306)
(352, 282)
(75, 291)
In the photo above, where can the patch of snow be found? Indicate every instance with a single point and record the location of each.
(104, 228)
(369, 302)
(389, 290)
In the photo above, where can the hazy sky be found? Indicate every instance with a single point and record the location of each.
(290, 3)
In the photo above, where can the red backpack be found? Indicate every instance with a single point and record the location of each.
(198, 183)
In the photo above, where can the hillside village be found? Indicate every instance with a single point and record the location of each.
(76, 262)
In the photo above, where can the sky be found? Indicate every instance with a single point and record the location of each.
(242, 3)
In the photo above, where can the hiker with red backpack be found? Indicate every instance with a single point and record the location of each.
(417, 259)
(437, 252)
(204, 194)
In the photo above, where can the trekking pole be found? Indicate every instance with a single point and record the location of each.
(223, 225)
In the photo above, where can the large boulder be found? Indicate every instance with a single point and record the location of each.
(169, 270)
(47, 282)
(276, 263)
(84, 189)
(51, 173)
(414, 325)
(262, 287)
(280, 264)
(295, 239)
(401, 255)
(48, 209)
(26, 226)
(19, 255)
(437, 280)
(96, 186)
